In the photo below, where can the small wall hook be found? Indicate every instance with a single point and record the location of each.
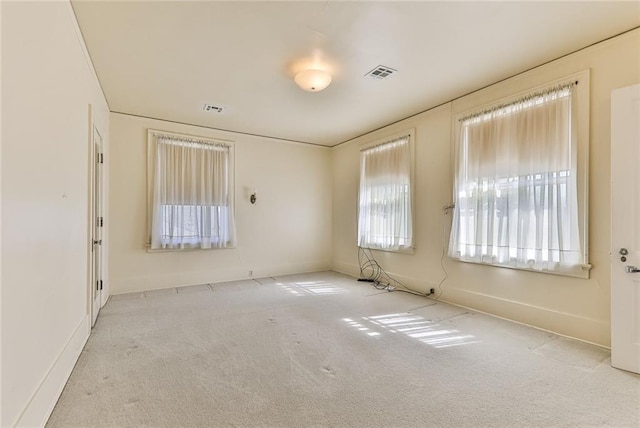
(253, 197)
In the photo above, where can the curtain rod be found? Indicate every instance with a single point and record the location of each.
(375, 146)
(524, 98)
(191, 140)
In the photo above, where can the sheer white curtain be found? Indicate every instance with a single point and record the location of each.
(384, 210)
(191, 195)
(516, 201)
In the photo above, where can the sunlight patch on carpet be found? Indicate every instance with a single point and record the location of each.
(413, 326)
(320, 288)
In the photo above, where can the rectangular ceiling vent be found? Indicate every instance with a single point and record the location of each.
(213, 108)
(380, 72)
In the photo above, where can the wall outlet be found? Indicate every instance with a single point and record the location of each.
(250, 273)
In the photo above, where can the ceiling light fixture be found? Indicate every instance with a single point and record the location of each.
(313, 80)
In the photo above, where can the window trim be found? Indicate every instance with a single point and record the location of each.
(582, 101)
(411, 132)
(151, 143)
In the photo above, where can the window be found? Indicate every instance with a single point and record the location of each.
(190, 192)
(518, 202)
(384, 209)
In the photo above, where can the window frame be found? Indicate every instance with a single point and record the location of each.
(410, 133)
(582, 128)
(151, 147)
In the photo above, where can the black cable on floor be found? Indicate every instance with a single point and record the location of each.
(371, 271)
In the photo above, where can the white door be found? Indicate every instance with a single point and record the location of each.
(98, 223)
(625, 228)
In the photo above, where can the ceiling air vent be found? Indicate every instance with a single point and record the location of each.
(213, 108)
(380, 72)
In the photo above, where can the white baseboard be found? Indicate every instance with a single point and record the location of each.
(570, 325)
(39, 408)
(345, 268)
(565, 324)
(184, 278)
(419, 285)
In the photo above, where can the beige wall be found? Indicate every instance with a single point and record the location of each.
(47, 86)
(288, 230)
(570, 306)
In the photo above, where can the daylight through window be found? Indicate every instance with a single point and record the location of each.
(516, 198)
(191, 198)
(384, 210)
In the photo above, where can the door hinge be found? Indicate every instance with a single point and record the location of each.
(100, 284)
(100, 157)
(100, 221)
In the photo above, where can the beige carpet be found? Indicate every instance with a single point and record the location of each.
(320, 350)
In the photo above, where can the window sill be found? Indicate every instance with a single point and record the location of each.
(182, 250)
(582, 271)
(408, 250)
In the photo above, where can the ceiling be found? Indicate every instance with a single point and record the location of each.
(166, 60)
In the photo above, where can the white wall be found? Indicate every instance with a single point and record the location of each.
(570, 306)
(288, 230)
(47, 86)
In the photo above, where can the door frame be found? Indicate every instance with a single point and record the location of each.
(92, 218)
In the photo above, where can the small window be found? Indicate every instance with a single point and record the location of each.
(190, 192)
(385, 196)
(520, 185)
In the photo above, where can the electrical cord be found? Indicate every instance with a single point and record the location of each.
(371, 271)
(446, 209)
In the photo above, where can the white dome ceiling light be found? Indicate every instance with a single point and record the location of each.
(313, 80)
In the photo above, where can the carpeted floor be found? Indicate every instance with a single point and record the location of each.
(322, 350)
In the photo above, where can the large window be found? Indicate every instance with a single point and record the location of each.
(384, 209)
(517, 198)
(191, 197)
